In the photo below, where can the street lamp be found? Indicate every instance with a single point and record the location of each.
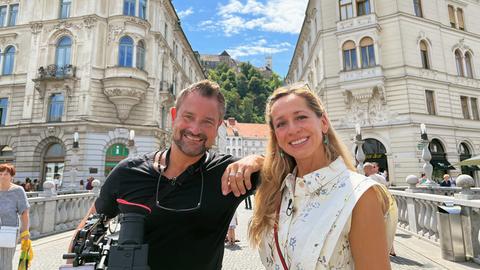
(131, 138)
(75, 140)
(360, 155)
(426, 155)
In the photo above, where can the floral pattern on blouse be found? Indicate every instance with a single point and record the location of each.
(314, 235)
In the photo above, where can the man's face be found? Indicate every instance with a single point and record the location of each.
(196, 123)
(375, 168)
(368, 170)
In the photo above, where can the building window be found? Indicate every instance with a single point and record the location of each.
(424, 55)
(142, 12)
(129, 7)
(451, 16)
(3, 15)
(474, 105)
(55, 108)
(141, 55)
(367, 52)
(65, 8)
(346, 9)
(461, 23)
(459, 62)
(125, 52)
(13, 15)
(165, 31)
(468, 65)
(62, 54)
(464, 103)
(349, 55)
(417, 7)
(3, 111)
(430, 100)
(8, 60)
(363, 7)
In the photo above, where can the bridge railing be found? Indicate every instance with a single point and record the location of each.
(417, 213)
(55, 214)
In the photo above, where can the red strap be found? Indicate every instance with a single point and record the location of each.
(277, 245)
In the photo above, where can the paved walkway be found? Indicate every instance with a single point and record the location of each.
(412, 253)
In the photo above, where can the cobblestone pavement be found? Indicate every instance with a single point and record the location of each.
(412, 253)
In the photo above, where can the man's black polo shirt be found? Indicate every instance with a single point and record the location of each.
(189, 240)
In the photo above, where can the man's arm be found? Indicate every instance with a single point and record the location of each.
(237, 176)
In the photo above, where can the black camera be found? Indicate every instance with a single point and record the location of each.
(95, 249)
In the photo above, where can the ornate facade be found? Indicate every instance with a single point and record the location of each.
(391, 65)
(85, 83)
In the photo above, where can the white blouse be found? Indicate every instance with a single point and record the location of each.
(314, 235)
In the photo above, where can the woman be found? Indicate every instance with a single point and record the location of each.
(14, 204)
(328, 216)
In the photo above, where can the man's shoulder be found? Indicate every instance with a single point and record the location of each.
(218, 160)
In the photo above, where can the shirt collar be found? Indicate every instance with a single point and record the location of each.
(316, 179)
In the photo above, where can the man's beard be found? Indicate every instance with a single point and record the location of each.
(186, 148)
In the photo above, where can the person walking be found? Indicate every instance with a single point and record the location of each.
(13, 206)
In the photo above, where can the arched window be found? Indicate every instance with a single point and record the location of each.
(141, 55)
(417, 8)
(465, 153)
(468, 65)
(346, 9)
(125, 52)
(6, 154)
(439, 160)
(62, 54)
(424, 55)
(363, 7)
(129, 7)
(459, 62)
(55, 108)
(349, 55)
(8, 60)
(114, 155)
(368, 53)
(54, 164)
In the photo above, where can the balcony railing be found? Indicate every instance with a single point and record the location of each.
(56, 72)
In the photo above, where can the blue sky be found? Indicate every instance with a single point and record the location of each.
(247, 29)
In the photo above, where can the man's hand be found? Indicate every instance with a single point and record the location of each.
(236, 177)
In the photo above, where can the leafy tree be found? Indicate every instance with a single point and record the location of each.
(245, 90)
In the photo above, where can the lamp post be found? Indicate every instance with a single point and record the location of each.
(131, 138)
(74, 162)
(426, 155)
(360, 155)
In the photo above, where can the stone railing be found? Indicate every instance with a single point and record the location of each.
(417, 213)
(55, 214)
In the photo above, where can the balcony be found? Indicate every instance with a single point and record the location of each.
(125, 87)
(167, 97)
(54, 74)
(362, 74)
(357, 23)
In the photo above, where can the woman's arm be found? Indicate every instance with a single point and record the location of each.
(25, 219)
(367, 236)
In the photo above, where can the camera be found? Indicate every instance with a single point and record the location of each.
(95, 249)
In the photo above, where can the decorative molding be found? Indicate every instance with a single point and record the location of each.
(114, 32)
(89, 22)
(36, 28)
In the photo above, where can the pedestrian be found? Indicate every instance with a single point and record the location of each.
(446, 181)
(231, 230)
(82, 187)
(14, 205)
(371, 171)
(28, 185)
(36, 185)
(314, 211)
(89, 183)
(182, 185)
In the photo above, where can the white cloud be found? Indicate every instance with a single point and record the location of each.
(258, 47)
(184, 13)
(284, 16)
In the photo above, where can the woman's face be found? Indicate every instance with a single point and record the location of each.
(298, 129)
(5, 176)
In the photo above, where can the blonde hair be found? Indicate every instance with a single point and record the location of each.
(278, 164)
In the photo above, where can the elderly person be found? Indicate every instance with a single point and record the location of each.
(316, 211)
(369, 169)
(14, 204)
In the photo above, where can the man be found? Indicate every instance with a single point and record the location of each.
(370, 171)
(182, 186)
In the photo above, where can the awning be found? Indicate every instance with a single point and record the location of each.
(471, 168)
(471, 161)
(442, 164)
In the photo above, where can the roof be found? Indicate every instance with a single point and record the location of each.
(247, 130)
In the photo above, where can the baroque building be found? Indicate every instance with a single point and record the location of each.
(86, 83)
(391, 65)
(245, 139)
